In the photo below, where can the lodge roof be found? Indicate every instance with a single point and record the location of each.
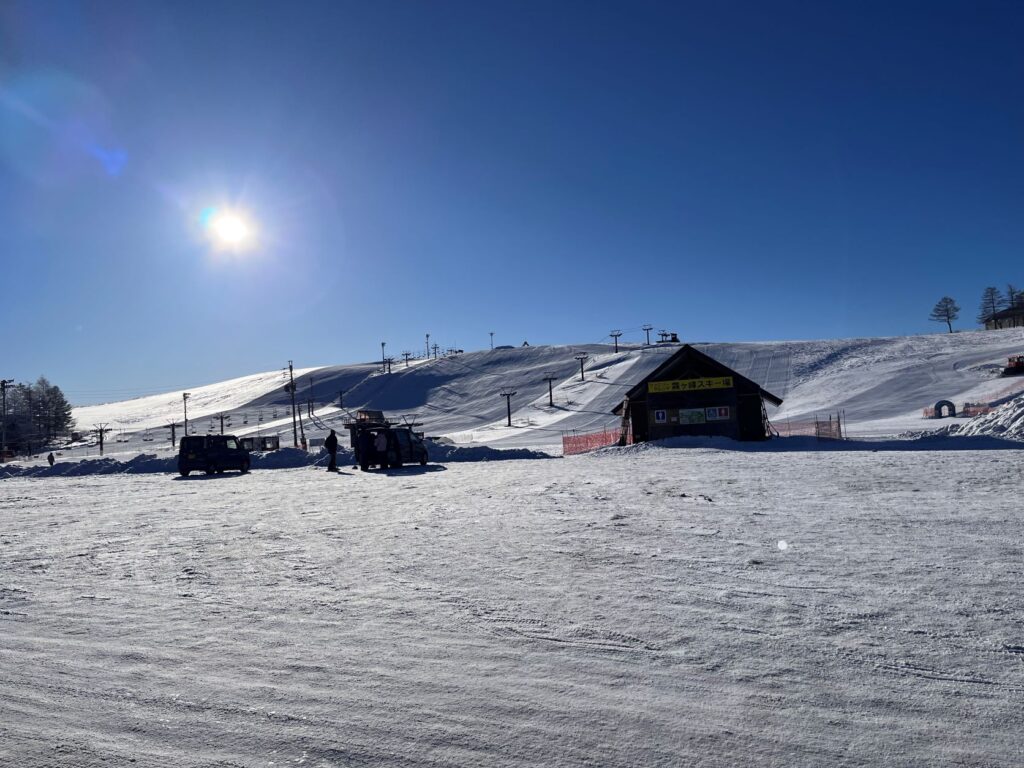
(691, 352)
(1014, 311)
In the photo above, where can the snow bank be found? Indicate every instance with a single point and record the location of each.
(285, 458)
(1006, 422)
(444, 452)
(930, 441)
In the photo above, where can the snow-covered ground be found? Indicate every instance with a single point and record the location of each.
(640, 607)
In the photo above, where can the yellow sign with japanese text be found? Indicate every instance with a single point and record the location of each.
(690, 385)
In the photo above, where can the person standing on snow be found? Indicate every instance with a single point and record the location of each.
(50, 458)
(380, 445)
(331, 444)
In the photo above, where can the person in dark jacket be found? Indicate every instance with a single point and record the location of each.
(367, 455)
(331, 444)
(50, 458)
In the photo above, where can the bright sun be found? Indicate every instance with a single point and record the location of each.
(230, 230)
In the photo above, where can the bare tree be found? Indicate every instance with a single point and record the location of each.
(991, 302)
(945, 311)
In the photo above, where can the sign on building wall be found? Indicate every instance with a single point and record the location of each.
(691, 416)
(717, 413)
(690, 385)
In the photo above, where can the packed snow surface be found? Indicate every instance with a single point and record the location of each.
(641, 607)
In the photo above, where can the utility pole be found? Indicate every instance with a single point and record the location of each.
(384, 360)
(341, 398)
(615, 335)
(492, 339)
(101, 430)
(549, 378)
(436, 347)
(4, 383)
(172, 426)
(407, 355)
(582, 356)
(221, 415)
(291, 388)
(31, 424)
(388, 362)
(646, 328)
(508, 403)
(310, 397)
(428, 346)
(184, 403)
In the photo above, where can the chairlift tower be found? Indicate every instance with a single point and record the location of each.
(615, 336)
(549, 378)
(582, 357)
(647, 328)
(508, 403)
(184, 404)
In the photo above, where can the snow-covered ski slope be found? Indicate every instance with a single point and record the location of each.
(881, 385)
(631, 609)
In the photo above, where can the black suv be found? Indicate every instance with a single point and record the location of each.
(403, 447)
(211, 453)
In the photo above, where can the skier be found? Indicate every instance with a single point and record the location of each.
(50, 458)
(331, 444)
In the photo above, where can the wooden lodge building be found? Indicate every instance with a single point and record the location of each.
(1013, 317)
(694, 394)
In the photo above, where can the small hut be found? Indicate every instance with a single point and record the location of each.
(694, 394)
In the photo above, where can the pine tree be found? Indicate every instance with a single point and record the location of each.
(945, 311)
(1014, 297)
(991, 302)
(36, 413)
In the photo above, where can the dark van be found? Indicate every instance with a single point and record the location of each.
(403, 447)
(211, 453)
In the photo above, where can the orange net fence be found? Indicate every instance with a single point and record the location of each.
(830, 428)
(572, 444)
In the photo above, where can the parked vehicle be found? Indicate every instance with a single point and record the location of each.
(1014, 366)
(211, 454)
(399, 445)
(403, 446)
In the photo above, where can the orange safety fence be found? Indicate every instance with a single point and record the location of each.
(572, 444)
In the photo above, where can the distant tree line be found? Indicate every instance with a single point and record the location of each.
(993, 300)
(36, 414)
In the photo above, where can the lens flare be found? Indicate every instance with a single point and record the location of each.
(229, 230)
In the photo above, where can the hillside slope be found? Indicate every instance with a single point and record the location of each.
(881, 384)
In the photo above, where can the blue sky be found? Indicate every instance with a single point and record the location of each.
(548, 171)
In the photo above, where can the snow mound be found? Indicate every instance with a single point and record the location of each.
(943, 440)
(442, 452)
(1006, 421)
(141, 464)
(285, 458)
